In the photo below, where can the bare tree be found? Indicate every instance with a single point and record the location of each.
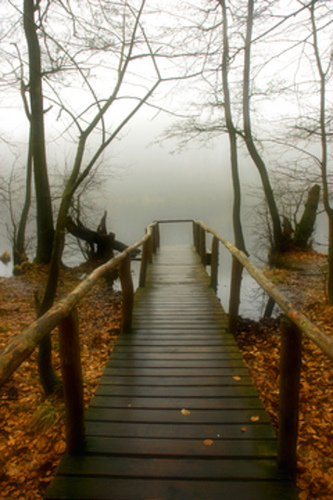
(232, 133)
(45, 230)
(249, 140)
(324, 66)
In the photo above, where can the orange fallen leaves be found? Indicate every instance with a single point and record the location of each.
(260, 347)
(32, 436)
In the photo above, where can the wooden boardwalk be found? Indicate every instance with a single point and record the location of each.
(176, 416)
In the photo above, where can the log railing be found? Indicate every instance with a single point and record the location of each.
(64, 315)
(294, 327)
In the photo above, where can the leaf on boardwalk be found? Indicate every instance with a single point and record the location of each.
(185, 412)
(244, 429)
(255, 419)
(237, 378)
(208, 442)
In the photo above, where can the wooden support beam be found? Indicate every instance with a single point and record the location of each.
(144, 263)
(202, 245)
(150, 246)
(196, 239)
(214, 264)
(156, 236)
(235, 289)
(69, 346)
(290, 369)
(127, 294)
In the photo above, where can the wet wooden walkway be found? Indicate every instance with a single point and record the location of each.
(176, 416)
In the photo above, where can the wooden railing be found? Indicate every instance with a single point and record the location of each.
(64, 315)
(294, 327)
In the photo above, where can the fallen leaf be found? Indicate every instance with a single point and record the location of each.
(255, 419)
(244, 429)
(237, 378)
(303, 495)
(60, 447)
(208, 442)
(185, 412)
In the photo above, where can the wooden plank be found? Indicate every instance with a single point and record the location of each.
(179, 372)
(177, 391)
(175, 349)
(197, 431)
(167, 448)
(184, 381)
(101, 488)
(174, 416)
(174, 403)
(196, 365)
(137, 467)
(148, 357)
(175, 341)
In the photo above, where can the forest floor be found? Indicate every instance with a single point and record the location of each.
(302, 280)
(32, 436)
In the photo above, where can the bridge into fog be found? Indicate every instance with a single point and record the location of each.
(176, 415)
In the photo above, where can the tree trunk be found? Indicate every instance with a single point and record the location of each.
(45, 229)
(101, 244)
(305, 227)
(19, 241)
(330, 259)
(237, 224)
(48, 377)
(238, 230)
(323, 77)
(256, 157)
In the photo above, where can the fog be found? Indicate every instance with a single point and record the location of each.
(144, 181)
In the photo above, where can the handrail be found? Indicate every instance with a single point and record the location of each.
(291, 340)
(63, 313)
(309, 329)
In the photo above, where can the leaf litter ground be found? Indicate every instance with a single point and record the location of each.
(32, 437)
(303, 282)
(32, 433)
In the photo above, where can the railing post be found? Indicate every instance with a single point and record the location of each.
(235, 288)
(156, 238)
(127, 294)
(150, 246)
(157, 235)
(69, 347)
(290, 369)
(214, 264)
(196, 238)
(202, 245)
(144, 263)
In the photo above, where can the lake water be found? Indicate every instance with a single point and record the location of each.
(253, 301)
